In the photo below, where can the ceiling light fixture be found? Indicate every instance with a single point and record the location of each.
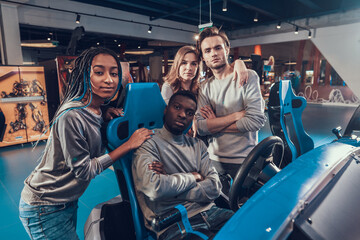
(224, 8)
(256, 18)
(296, 30)
(139, 52)
(78, 18)
(39, 43)
(247, 60)
(309, 36)
(150, 28)
(279, 25)
(290, 63)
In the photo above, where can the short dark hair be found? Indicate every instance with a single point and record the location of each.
(184, 93)
(211, 32)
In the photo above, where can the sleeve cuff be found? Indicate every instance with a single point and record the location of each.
(240, 126)
(202, 128)
(105, 161)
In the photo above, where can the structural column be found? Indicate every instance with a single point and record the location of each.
(10, 42)
(316, 67)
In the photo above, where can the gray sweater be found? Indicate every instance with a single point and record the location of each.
(74, 154)
(181, 155)
(225, 97)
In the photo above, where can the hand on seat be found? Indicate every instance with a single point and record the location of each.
(138, 137)
(113, 113)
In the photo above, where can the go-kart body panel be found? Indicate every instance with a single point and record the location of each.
(268, 214)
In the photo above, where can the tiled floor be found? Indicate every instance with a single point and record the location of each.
(16, 162)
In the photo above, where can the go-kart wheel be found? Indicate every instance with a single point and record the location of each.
(257, 169)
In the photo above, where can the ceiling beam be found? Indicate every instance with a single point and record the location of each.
(136, 5)
(169, 3)
(267, 11)
(193, 9)
(183, 10)
(228, 19)
(310, 4)
(156, 10)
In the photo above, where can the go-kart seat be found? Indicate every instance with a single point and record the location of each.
(291, 108)
(284, 111)
(143, 107)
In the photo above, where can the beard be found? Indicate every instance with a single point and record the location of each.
(217, 65)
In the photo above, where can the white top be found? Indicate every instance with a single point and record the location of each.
(166, 92)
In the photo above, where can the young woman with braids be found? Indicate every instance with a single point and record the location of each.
(74, 153)
(184, 75)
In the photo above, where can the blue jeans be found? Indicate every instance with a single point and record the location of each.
(211, 220)
(49, 221)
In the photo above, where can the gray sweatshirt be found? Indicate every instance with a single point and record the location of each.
(74, 154)
(225, 97)
(181, 155)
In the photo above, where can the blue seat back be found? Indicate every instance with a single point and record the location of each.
(291, 108)
(144, 107)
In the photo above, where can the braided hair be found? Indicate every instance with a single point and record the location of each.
(79, 83)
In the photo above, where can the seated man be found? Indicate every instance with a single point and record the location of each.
(172, 168)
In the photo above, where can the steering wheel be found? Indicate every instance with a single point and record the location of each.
(354, 123)
(257, 169)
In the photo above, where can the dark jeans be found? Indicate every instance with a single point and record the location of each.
(226, 168)
(211, 220)
(223, 169)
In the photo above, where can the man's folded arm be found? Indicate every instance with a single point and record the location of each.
(157, 186)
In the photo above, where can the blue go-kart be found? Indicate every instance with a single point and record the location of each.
(285, 189)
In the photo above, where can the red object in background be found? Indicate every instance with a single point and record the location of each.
(64, 66)
(257, 50)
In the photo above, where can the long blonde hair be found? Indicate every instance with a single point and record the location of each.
(173, 77)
